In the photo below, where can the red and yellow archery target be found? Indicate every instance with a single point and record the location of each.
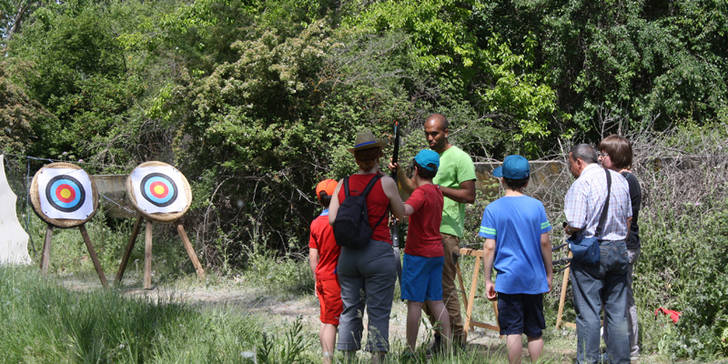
(63, 195)
(159, 191)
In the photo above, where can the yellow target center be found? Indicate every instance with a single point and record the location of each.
(158, 190)
(65, 193)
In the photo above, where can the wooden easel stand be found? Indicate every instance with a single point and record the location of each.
(46, 255)
(469, 300)
(148, 252)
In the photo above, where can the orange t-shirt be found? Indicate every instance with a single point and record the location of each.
(322, 239)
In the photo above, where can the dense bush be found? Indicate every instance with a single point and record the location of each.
(256, 101)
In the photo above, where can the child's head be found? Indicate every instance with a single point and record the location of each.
(515, 172)
(324, 190)
(427, 162)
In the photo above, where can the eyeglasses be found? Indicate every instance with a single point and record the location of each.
(602, 155)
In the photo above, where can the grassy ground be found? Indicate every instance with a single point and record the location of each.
(266, 313)
(71, 319)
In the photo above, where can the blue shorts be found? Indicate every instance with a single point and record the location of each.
(521, 314)
(421, 278)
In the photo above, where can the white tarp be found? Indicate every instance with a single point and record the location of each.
(13, 239)
(65, 193)
(159, 189)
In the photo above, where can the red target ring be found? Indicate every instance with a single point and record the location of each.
(65, 193)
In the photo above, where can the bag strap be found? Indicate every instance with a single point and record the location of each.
(605, 208)
(366, 191)
(346, 187)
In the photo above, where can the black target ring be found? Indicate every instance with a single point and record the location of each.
(69, 182)
(156, 177)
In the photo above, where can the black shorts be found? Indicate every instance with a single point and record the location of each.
(521, 314)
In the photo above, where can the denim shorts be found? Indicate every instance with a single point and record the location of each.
(521, 314)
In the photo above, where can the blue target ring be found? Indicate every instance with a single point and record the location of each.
(65, 193)
(159, 189)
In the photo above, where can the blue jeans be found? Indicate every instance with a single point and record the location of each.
(598, 286)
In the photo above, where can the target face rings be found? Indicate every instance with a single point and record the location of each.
(159, 189)
(65, 193)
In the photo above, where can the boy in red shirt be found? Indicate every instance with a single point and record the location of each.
(423, 254)
(323, 256)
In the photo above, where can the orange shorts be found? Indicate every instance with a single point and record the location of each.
(329, 295)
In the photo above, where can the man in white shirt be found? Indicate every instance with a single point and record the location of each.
(601, 285)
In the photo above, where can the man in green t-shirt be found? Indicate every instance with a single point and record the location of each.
(456, 179)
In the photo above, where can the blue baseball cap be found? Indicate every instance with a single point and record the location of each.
(426, 157)
(514, 167)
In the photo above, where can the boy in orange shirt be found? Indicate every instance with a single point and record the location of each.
(323, 256)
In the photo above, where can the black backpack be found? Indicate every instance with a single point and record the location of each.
(351, 226)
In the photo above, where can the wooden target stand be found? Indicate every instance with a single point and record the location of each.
(562, 299)
(64, 223)
(470, 298)
(172, 217)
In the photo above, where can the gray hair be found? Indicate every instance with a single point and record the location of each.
(585, 152)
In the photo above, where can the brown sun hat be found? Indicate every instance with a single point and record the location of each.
(365, 140)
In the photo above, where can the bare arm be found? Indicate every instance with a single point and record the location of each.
(547, 258)
(334, 204)
(406, 184)
(464, 194)
(395, 201)
(488, 256)
(313, 258)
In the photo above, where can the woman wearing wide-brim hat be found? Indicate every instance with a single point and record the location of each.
(372, 269)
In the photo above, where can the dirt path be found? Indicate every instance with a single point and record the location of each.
(241, 297)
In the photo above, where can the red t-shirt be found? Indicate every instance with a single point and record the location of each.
(377, 204)
(322, 238)
(423, 234)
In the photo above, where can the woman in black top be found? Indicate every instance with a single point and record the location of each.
(615, 152)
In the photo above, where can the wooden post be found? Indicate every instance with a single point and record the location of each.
(562, 299)
(46, 254)
(129, 247)
(92, 253)
(190, 251)
(469, 301)
(148, 256)
(471, 297)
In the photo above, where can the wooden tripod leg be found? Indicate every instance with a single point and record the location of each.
(471, 297)
(190, 251)
(148, 256)
(46, 254)
(92, 253)
(562, 299)
(129, 247)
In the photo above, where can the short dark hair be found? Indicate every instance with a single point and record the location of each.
(515, 184)
(441, 119)
(324, 198)
(619, 150)
(425, 173)
(584, 152)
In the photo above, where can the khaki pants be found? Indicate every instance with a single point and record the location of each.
(451, 245)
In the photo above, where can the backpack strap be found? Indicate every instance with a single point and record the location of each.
(369, 187)
(346, 187)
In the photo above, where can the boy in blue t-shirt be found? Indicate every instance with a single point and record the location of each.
(517, 245)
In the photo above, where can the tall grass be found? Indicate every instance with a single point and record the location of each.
(45, 323)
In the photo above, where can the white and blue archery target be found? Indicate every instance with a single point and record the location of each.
(159, 189)
(65, 193)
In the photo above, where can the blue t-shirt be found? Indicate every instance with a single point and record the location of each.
(516, 223)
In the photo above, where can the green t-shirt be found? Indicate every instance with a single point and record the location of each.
(456, 167)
